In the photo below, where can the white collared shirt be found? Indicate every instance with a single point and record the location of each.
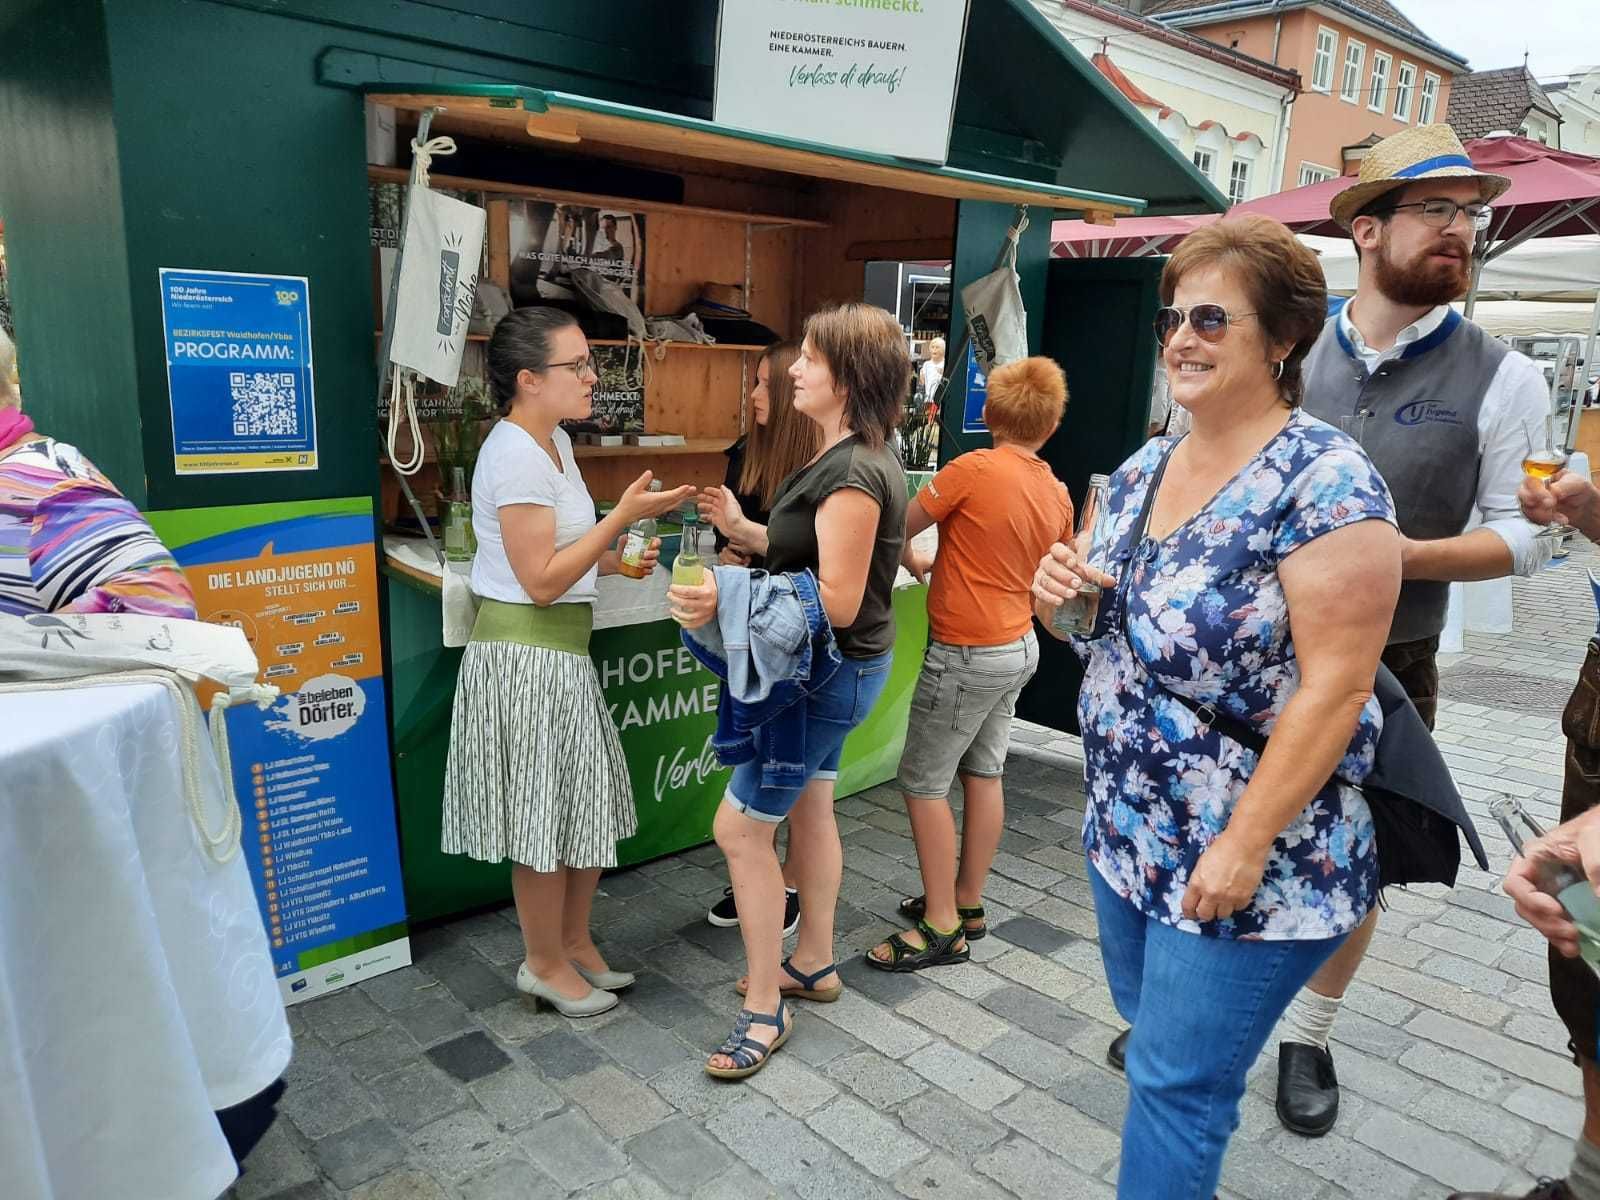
(1518, 401)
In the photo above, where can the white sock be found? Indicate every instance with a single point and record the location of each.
(1584, 1182)
(1309, 1019)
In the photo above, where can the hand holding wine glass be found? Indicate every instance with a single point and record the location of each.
(1543, 461)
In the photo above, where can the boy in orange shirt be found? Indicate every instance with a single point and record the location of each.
(998, 512)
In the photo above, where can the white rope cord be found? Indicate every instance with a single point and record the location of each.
(403, 392)
(423, 154)
(403, 386)
(223, 845)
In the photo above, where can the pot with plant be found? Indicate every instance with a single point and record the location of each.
(457, 432)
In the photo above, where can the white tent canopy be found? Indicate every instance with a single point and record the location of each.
(1546, 269)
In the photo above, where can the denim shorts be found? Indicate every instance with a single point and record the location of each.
(832, 711)
(961, 713)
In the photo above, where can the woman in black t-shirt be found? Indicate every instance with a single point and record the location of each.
(842, 518)
(779, 443)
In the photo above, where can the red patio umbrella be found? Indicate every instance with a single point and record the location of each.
(1553, 193)
(1132, 237)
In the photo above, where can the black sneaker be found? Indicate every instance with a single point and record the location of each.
(724, 913)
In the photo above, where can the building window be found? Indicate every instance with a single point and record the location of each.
(1312, 173)
(1428, 109)
(1378, 98)
(1402, 95)
(1355, 54)
(1239, 181)
(1206, 161)
(1322, 64)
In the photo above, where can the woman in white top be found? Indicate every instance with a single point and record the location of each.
(536, 772)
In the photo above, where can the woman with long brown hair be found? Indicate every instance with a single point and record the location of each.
(835, 536)
(779, 443)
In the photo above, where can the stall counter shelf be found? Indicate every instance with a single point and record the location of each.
(663, 701)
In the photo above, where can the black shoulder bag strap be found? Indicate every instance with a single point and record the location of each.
(1417, 840)
(1208, 715)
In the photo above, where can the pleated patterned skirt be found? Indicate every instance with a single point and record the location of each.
(536, 772)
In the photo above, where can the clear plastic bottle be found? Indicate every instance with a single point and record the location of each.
(640, 534)
(689, 568)
(459, 542)
(1076, 617)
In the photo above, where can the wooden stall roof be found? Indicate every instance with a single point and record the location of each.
(566, 119)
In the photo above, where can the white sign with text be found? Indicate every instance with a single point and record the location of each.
(875, 75)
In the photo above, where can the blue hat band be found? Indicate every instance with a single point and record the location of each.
(1434, 164)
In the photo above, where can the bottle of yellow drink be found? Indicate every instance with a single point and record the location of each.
(640, 534)
(689, 569)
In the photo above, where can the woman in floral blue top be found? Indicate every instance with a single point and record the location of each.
(1263, 588)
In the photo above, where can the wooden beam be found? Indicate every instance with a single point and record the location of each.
(552, 129)
(593, 200)
(663, 137)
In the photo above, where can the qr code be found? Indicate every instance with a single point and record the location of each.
(264, 403)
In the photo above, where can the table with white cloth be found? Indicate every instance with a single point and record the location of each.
(136, 985)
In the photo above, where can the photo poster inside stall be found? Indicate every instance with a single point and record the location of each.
(877, 77)
(311, 772)
(617, 403)
(548, 240)
(977, 393)
(239, 371)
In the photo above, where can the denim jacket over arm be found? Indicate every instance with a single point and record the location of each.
(772, 646)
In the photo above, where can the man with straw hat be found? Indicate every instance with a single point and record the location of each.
(1446, 412)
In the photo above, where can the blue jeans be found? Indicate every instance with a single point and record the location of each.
(832, 711)
(1201, 1009)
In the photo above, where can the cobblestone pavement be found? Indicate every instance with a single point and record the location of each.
(984, 1080)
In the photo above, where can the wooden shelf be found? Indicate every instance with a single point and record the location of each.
(649, 346)
(692, 446)
(590, 200)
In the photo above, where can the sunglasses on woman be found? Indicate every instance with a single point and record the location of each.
(1209, 322)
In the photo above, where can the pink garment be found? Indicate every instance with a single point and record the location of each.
(13, 427)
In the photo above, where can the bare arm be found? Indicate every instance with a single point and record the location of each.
(917, 521)
(545, 573)
(721, 507)
(1480, 554)
(847, 529)
(1341, 591)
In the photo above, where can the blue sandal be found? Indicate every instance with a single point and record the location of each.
(808, 989)
(749, 1055)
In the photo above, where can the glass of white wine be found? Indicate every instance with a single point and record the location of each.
(1544, 461)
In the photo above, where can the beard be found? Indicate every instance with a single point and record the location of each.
(1421, 283)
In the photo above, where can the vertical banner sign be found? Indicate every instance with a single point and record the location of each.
(239, 372)
(873, 75)
(977, 394)
(312, 771)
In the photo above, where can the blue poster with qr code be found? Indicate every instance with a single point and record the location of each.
(239, 371)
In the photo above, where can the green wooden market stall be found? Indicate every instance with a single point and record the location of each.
(231, 135)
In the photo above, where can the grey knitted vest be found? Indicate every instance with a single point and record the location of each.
(1422, 434)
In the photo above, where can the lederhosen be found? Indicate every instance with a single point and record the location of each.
(1574, 990)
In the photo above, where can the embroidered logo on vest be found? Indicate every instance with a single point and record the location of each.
(1419, 412)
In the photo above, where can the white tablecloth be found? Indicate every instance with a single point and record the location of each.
(136, 986)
